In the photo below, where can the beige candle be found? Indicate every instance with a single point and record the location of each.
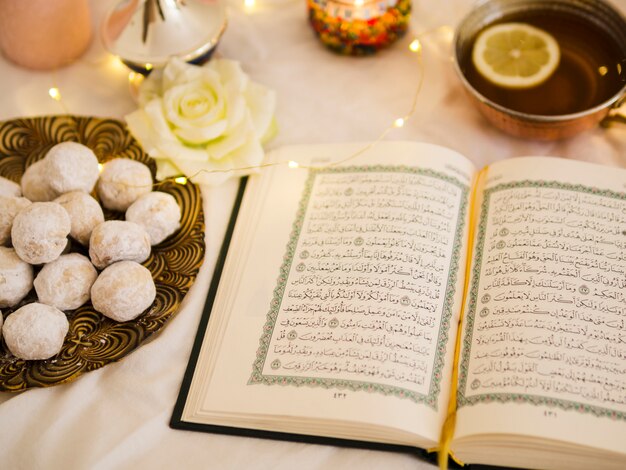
(44, 34)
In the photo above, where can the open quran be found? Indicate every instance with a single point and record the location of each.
(405, 299)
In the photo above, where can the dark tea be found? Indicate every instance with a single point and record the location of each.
(592, 68)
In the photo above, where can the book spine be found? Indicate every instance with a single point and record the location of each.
(447, 430)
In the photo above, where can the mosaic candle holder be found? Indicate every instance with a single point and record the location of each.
(359, 27)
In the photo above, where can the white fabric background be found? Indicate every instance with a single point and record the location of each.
(117, 417)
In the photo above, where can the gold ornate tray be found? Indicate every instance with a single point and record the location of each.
(93, 340)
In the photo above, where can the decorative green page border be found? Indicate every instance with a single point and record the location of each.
(257, 376)
(467, 341)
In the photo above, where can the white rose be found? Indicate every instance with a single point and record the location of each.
(195, 120)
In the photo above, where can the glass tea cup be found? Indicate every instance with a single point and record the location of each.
(588, 85)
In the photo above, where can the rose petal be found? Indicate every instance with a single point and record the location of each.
(233, 139)
(207, 93)
(234, 82)
(166, 169)
(177, 72)
(235, 107)
(141, 129)
(154, 134)
(150, 128)
(230, 73)
(196, 104)
(261, 103)
(201, 135)
(250, 154)
(178, 152)
(162, 131)
(271, 132)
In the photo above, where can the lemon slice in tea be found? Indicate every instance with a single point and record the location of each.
(515, 55)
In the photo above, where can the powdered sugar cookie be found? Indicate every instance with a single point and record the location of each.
(9, 208)
(39, 232)
(118, 240)
(9, 188)
(66, 282)
(85, 214)
(35, 184)
(35, 331)
(122, 182)
(71, 166)
(158, 213)
(16, 277)
(123, 291)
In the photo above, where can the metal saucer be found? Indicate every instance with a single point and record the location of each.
(145, 34)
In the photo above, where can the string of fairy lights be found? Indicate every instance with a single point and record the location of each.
(415, 47)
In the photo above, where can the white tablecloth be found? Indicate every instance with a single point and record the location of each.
(117, 417)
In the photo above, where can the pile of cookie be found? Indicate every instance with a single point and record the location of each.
(54, 202)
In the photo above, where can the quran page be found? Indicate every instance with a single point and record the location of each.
(337, 309)
(543, 355)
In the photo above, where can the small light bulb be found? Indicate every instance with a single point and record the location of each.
(415, 46)
(398, 122)
(148, 67)
(249, 4)
(181, 180)
(117, 64)
(293, 164)
(359, 3)
(448, 32)
(54, 93)
(603, 70)
(134, 81)
(100, 167)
